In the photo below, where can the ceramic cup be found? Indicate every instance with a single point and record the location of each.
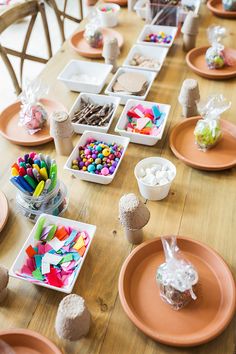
(108, 18)
(157, 192)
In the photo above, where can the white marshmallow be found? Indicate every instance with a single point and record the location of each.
(163, 181)
(148, 171)
(150, 180)
(165, 167)
(170, 175)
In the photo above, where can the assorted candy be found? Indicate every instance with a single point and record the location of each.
(215, 57)
(156, 174)
(208, 131)
(91, 113)
(93, 34)
(33, 115)
(145, 62)
(56, 255)
(177, 278)
(160, 37)
(144, 120)
(98, 157)
(229, 5)
(107, 9)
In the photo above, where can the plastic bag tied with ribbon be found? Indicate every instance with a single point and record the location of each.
(176, 277)
(93, 34)
(208, 131)
(229, 5)
(215, 55)
(33, 115)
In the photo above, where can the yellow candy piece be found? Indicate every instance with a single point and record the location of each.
(106, 152)
(43, 173)
(14, 172)
(84, 168)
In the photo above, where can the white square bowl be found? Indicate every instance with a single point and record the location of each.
(158, 53)
(99, 99)
(107, 138)
(147, 29)
(93, 69)
(50, 219)
(150, 75)
(136, 137)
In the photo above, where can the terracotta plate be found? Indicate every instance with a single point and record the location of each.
(118, 2)
(220, 157)
(18, 135)
(24, 341)
(79, 44)
(196, 61)
(216, 7)
(200, 321)
(4, 210)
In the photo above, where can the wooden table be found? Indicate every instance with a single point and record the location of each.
(201, 205)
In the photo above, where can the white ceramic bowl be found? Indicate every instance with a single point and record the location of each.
(90, 69)
(110, 18)
(136, 137)
(157, 192)
(99, 99)
(150, 75)
(141, 8)
(107, 138)
(50, 219)
(147, 29)
(158, 53)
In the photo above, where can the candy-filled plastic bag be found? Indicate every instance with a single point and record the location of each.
(208, 130)
(93, 34)
(33, 115)
(229, 5)
(176, 277)
(215, 57)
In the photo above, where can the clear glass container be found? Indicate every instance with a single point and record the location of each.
(55, 203)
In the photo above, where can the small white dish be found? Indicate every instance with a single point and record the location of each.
(97, 99)
(87, 71)
(107, 138)
(156, 192)
(50, 219)
(108, 18)
(150, 75)
(158, 53)
(141, 8)
(136, 137)
(148, 29)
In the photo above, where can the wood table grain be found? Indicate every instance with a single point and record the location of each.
(201, 205)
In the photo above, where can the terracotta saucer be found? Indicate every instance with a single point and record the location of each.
(4, 210)
(122, 3)
(200, 321)
(220, 157)
(216, 7)
(197, 62)
(25, 341)
(18, 135)
(79, 44)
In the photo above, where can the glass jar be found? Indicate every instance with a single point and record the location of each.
(55, 203)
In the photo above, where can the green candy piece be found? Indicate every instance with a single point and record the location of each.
(39, 229)
(51, 233)
(37, 274)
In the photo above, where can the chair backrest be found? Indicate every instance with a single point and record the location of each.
(31, 8)
(61, 15)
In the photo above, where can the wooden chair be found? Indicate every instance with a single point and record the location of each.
(31, 8)
(61, 15)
